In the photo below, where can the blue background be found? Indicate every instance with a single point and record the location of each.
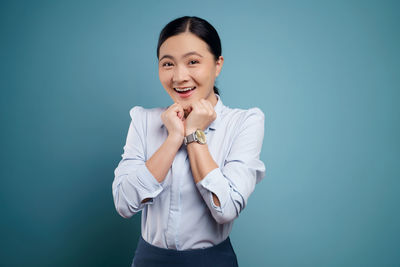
(325, 73)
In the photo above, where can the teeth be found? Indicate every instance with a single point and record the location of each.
(184, 89)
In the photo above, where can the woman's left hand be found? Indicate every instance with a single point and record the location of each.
(201, 115)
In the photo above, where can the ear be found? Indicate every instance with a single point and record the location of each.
(218, 65)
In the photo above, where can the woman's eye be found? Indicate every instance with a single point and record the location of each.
(193, 62)
(167, 64)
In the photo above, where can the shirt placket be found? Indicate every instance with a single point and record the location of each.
(177, 170)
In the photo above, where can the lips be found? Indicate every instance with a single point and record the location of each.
(185, 92)
(184, 89)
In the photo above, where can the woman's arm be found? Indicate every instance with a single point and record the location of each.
(133, 181)
(138, 180)
(160, 162)
(201, 163)
(226, 189)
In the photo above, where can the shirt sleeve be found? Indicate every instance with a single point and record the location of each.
(133, 182)
(235, 181)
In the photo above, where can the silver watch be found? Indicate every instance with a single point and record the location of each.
(197, 136)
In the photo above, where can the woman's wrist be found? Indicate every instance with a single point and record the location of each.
(175, 139)
(190, 131)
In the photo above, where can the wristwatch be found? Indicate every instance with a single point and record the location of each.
(198, 136)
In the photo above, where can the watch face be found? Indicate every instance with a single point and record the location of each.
(201, 136)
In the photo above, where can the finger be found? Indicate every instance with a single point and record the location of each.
(177, 109)
(180, 111)
(189, 107)
(211, 109)
(207, 106)
(173, 106)
(198, 106)
(187, 111)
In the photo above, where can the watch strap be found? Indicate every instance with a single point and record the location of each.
(190, 138)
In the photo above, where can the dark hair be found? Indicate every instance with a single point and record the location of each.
(199, 27)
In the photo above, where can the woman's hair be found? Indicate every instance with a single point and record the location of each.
(199, 27)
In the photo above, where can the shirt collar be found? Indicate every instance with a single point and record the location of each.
(218, 109)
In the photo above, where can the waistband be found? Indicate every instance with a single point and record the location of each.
(221, 255)
(221, 247)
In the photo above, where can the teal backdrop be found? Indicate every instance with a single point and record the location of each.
(325, 73)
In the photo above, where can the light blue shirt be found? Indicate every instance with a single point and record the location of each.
(181, 214)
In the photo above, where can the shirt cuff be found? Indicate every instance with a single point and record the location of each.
(214, 182)
(147, 185)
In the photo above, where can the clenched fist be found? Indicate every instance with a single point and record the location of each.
(201, 115)
(173, 120)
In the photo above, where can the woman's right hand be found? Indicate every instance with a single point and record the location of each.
(173, 121)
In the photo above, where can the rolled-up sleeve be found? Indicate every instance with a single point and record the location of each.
(234, 182)
(133, 182)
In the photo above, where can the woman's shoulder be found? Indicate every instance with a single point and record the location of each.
(242, 114)
(140, 111)
(243, 121)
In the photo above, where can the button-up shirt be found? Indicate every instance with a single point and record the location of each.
(181, 214)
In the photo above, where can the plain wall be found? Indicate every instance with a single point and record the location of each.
(325, 73)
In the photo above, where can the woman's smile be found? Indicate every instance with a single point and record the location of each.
(185, 92)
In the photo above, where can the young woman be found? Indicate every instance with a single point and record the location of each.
(191, 167)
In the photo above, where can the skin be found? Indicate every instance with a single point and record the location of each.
(179, 67)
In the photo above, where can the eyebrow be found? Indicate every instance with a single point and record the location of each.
(185, 55)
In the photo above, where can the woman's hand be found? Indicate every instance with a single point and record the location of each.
(173, 121)
(202, 114)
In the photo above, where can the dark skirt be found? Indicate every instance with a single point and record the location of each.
(221, 255)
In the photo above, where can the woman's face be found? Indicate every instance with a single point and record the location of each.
(185, 62)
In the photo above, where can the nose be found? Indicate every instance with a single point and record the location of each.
(180, 74)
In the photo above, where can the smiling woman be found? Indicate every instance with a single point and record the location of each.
(190, 168)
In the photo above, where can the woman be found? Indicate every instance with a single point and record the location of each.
(191, 167)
